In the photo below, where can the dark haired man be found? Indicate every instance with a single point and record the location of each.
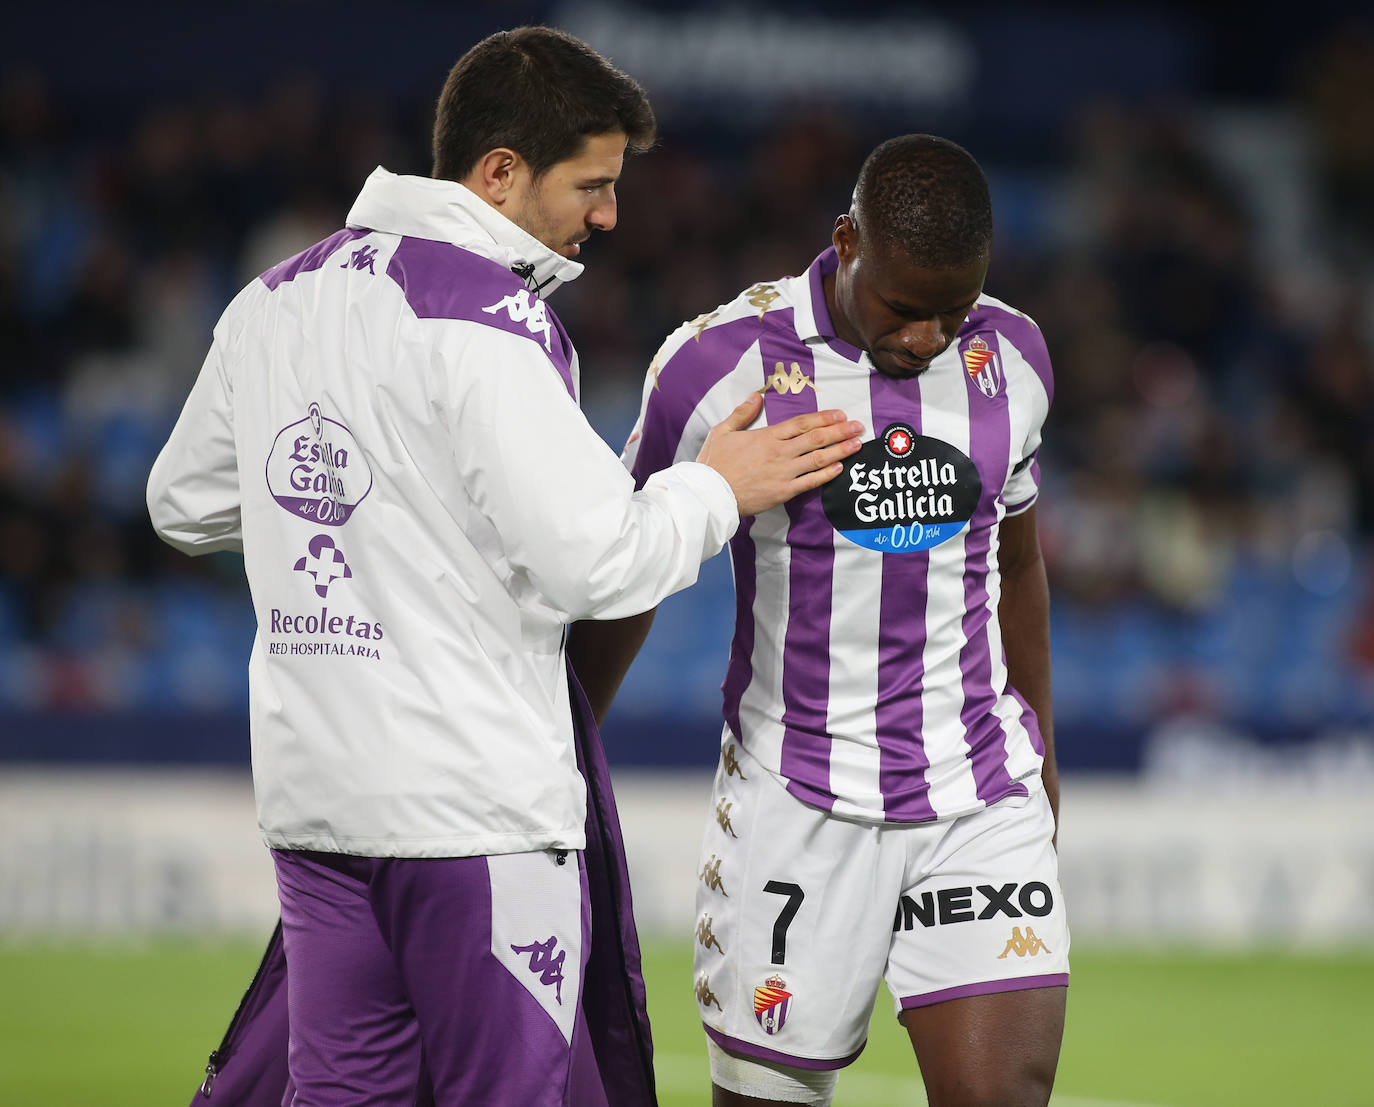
(387, 427)
(886, 799)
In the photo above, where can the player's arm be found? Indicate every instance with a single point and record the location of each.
(1024, 615)
(193, 488)
(601, 654)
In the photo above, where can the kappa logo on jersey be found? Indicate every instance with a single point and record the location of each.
(316, 470)
(525, 307)
(325, 563)
(772, 1002)
(902, 492)
(1024, 945)
(956, 905)
(543, 962)
(983, 365)
(793, 381)
(761, 296)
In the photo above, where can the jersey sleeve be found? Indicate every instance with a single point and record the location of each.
(193, 487)
(1035, 382)
(567, 512)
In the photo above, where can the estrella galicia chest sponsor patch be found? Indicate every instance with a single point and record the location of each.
(903, 492)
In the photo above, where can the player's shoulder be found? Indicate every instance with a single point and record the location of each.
(1020, 340)
(706, 343)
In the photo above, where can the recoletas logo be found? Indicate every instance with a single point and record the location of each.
(903, 492)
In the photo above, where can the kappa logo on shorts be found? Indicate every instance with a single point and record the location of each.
(706, 936)
(731, 762)
(955, 905)
(723, 816)
(710, 876)
(1024, 945)
(772, 1001)
(705, 996)
(542, 961)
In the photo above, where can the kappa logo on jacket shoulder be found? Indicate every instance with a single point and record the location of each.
(525, 307)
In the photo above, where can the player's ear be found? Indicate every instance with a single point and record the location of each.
(845, 236)
(496, 175)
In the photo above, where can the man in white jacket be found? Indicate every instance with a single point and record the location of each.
(387, 427)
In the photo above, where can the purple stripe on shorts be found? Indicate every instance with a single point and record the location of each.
(740, 672)
(310, 259)
(805, 757)
(822, 267)
(989, 446)
(987, 988)
(759, 1053)
(443, 281)
(698, 365)
(899, 714)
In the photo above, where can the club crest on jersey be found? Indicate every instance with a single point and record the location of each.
(316, 469)
(983, 365)
(903, 492)
(772, 1001)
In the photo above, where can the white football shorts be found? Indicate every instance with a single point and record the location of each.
(800, 914)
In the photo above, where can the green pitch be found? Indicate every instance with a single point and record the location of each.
(131, 1026)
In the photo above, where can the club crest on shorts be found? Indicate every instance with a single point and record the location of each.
(771, 1004)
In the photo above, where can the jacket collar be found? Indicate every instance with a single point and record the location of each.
(446, 211)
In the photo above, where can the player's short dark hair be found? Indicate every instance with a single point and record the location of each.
(539, 92)
(927, 196)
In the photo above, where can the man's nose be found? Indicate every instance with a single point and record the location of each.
(923, 339)
(603, 215)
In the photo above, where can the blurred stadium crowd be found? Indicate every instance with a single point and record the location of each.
(1204, 277)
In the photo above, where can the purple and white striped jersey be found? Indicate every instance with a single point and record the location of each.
(867, 668)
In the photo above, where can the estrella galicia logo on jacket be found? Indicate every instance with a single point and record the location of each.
(316, 469)
(903, 492)
(772, 1001)
(325, 563)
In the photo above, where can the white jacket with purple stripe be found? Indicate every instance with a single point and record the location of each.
(387, 427)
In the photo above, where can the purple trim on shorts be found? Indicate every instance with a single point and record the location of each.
(1021, 333)
(987, 987)
(825, 264)
(805, 758)
(990, 449)
(311, 258)
(444, 281)
(740, 672)
(899, 713)
(698, 365)
(759, 1053)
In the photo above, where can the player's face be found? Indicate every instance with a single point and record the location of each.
(575, 197)
(900, 313)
